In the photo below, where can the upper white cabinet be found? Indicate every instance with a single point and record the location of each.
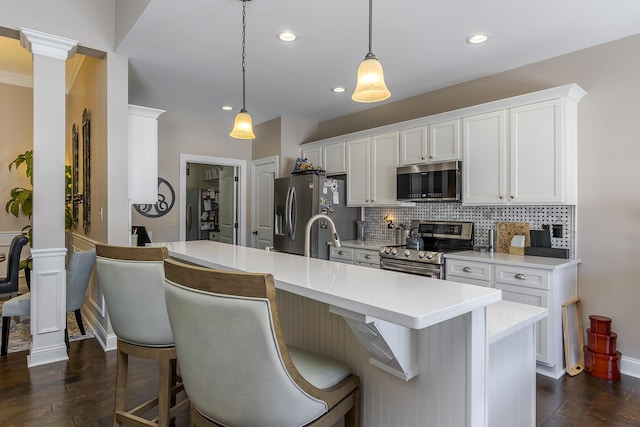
(519, 150)
(371, 170)
(436, 142)
(330, 157)
(526, 154)
(484, 152)
(143, 154)
(333, 158)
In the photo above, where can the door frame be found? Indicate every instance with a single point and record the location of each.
(240, 200)
(265, 160)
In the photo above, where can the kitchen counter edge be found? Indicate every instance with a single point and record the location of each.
(516, 260)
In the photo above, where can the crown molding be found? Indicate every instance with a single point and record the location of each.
(16, 79)
(45, 44)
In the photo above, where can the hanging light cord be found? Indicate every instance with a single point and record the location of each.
(370, 25)
(244, 33)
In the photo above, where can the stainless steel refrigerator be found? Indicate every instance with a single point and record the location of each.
(201, 214)
(296, 199)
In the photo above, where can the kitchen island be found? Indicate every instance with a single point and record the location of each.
(420, 346)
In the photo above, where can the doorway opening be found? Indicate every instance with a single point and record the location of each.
(212, 194)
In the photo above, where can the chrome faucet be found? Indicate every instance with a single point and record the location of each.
(307, 232)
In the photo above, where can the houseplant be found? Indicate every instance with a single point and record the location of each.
(21, 200)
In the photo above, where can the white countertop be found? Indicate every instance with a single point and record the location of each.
(412, 301)
(506, 317)
(519, 260)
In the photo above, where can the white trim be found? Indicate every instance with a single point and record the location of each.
(16, 79)
(629, 366)
(45, 44)
(241, 199)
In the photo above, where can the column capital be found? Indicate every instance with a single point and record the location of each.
(47, 44)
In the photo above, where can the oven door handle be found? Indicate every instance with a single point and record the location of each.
(404, 268)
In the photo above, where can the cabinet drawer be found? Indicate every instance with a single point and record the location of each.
(344, 254)
(368, 257)
(468, 269)
(522, 276)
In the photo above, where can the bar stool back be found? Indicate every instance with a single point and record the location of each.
(132, 281)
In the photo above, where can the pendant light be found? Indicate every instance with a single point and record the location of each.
(370, 86)
(243, 128)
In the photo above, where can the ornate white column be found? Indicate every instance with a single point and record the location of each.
(48, 277)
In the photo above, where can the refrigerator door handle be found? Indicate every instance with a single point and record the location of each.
(287, 214)
(293, 214)
(189, 219)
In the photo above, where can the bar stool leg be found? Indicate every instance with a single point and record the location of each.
(122, 370)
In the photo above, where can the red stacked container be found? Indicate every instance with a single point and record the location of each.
(600, 356)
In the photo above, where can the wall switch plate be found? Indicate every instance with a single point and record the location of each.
(557, 231)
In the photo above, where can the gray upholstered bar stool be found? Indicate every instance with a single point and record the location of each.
(236, 367)
(132, 281)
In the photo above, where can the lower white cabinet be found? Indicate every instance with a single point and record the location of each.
(549, 286)
(356, 256)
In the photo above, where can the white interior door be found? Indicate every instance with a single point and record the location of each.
(263, 174)
(227, 205)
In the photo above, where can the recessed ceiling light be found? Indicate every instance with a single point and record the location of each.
(227, 107)
(338, 89)
(286, 36)
(477, 38)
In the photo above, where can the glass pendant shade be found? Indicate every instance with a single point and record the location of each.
(370, 86)
(243, 127)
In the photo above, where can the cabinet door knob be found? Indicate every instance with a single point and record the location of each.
(467, 269)
(431, 157)
(521, 276)
(513, 197)
(340, 253)
(501, 196)
(422, 157)
(367, 256)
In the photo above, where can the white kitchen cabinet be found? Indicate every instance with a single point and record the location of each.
(329, 157)
(367, 258)
(313, 155)
(538, 298)
(484, 171)
(143, 154)
(444, 141)
(344, 255)
(535, 162)
(436, 142)
(537, 154)
(542, 282)
(413, 146)
(333, 158)
(371, 170)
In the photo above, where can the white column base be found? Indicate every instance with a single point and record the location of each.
(48, 303)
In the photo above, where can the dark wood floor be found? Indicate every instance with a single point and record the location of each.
(80, 392)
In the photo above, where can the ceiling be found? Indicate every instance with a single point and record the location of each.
(185, 56)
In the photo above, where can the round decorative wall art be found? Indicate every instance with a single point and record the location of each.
(166, 200)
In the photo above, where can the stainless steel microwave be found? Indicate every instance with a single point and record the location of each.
(436, 182)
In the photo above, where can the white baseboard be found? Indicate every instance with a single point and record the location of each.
(629, 366)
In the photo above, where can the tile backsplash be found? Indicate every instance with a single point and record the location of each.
(483, 217)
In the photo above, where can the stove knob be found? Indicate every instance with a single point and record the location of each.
(429, 255)
(387, 250)
(421, 254)
(382, 249)
(394, 251)
(407, 253)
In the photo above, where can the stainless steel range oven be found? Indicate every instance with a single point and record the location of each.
(424, 255)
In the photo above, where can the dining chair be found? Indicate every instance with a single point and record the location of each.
(9, 284)
(235, 365)
(78, 275)
(132, 282)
